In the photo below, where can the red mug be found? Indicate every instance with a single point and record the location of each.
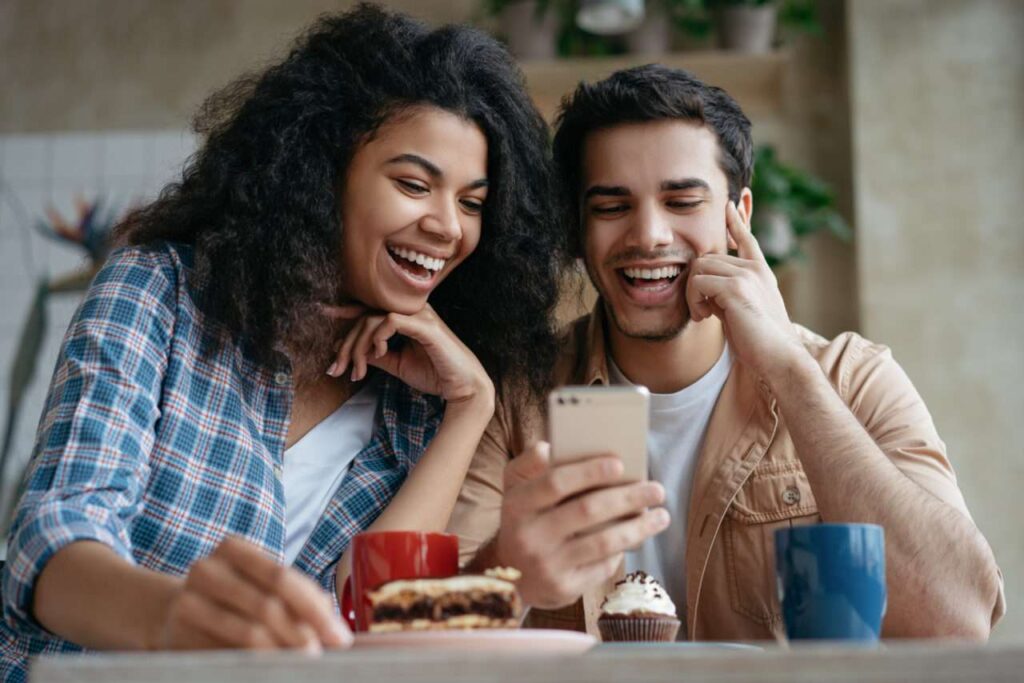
(382, 556)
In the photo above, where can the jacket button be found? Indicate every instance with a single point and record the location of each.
(281, 378)
(791, 496)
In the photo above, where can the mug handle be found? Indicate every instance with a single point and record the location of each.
(348, 611)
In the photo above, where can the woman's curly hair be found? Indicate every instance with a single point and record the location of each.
(259, 200)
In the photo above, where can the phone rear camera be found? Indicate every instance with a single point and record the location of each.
(574, 400)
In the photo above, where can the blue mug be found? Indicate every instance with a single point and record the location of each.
(831, 580)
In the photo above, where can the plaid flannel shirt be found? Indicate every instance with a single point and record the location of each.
(158, 445)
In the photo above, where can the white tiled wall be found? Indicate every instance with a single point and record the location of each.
(123, 168)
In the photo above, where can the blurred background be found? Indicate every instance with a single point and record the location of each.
(890, 164)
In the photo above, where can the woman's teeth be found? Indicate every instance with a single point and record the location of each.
(430, 263)
(652, 273)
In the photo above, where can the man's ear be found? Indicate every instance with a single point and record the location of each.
(746, 209)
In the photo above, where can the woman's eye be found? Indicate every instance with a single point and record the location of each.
(614, 208)
(472, 205)
(411, 187)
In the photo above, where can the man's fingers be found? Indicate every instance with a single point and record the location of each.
(746, 245)
(221, 584)
(596, 573)
(565, 481)
(599, 507)
(528, 465)
(601, 545)
(303, 598)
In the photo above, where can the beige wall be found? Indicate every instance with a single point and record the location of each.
(109, 64)
(938, 122)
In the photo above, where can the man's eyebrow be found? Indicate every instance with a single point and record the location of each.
(606, 191)
(432, 169)
(684, 184)
(427, 165)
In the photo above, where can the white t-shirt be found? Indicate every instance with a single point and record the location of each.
(315, 465)
(678, 424)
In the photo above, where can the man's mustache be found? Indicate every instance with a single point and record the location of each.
(634, 254)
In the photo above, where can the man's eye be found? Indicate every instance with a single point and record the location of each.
(685, 205)
(409, 186)
(614, 208)
(472, 205)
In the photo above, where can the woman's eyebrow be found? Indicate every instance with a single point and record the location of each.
(432, 169)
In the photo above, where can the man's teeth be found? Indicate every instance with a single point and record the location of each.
(428, 262)
(652, 273)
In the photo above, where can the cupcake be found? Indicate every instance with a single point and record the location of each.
(639, 609)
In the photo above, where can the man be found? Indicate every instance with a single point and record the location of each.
(756, 423)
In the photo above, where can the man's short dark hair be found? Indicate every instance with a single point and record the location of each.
(648, 93)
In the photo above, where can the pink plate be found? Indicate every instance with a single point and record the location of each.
(526, 641)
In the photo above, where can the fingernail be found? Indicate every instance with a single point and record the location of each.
(333, 370)
(660, 518)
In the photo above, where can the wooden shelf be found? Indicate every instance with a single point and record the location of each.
(754, 80)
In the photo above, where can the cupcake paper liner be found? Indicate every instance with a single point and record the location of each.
(638, 629)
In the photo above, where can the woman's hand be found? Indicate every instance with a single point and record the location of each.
(432, 359)
(240, 597)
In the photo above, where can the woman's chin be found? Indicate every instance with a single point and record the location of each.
(402, 305)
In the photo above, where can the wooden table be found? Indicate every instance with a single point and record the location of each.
(927, 662)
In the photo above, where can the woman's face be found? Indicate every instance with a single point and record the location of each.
(411, 208)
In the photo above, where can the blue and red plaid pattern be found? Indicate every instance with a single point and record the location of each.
(159, 444)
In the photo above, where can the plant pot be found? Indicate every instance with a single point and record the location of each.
(530, 36)
(744, 28)
(654, 35)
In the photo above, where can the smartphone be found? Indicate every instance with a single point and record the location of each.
(583, 421)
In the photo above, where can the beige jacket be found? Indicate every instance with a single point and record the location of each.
(748, 482)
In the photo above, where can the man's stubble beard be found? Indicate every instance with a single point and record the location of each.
(652, 335)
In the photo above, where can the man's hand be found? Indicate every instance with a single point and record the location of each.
(239, 597)
(550, 519)
(742, 291)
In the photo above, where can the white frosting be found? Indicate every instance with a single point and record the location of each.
(638, 592)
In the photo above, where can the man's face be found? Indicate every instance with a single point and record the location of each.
(653, 199)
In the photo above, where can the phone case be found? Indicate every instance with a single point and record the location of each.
(586, 421)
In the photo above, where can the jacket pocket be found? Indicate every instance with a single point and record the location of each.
(775, 496)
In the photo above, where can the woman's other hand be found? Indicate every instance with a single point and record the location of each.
(432, 359)
(240, 597)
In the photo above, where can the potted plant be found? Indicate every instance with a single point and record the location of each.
(662, 21)
(544, 29)
(747, 25)
(530, 27)
(789, 205)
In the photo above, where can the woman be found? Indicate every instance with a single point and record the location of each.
(375, 206)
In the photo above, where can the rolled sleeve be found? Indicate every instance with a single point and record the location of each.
(886, 402)
(90, 463)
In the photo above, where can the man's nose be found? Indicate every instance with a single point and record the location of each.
(651, 229)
